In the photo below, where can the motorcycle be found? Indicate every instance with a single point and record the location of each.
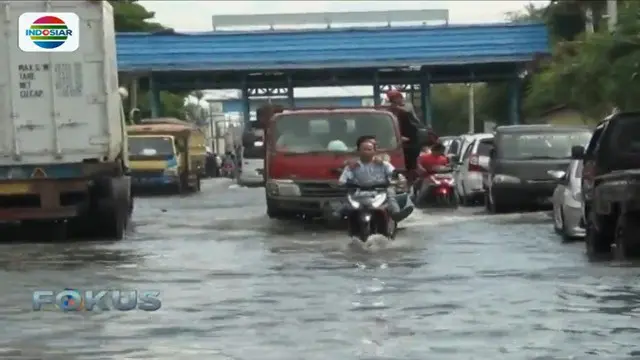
(368, 212)
(437, 189)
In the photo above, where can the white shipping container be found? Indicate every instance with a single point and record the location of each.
(59, 107)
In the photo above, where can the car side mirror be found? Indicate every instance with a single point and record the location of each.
(577, 152)
(135, 116)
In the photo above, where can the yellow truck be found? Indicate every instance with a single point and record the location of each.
(166, 153)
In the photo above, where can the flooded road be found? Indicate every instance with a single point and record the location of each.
(234, 285)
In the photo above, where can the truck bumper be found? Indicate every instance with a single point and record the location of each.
(318, 206)
(524, 193)
(152, 182)
(43, 199)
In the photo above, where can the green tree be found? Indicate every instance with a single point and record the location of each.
(130, 16)
(596, 72)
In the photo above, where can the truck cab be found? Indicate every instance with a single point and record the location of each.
(166, 155)
(306, 151)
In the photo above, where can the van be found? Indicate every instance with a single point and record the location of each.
(521, 160)
(252, 170)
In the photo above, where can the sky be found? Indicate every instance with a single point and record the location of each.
(192, 16)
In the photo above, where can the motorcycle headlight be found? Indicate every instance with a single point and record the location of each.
(505, 179)
(354, 204)
(378, 200)
(283, 188)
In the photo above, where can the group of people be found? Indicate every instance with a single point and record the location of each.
(217, 165)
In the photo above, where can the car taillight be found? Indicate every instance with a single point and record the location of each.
(474, 164)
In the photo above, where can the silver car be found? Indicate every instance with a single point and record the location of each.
(471, 169)
(567, 201)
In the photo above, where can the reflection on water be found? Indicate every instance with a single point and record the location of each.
(236, 285)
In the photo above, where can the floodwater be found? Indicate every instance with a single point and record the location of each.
(235, 285)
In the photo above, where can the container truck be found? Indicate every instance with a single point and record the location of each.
(63, 144)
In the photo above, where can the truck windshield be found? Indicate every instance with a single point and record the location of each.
(332, 132)
(543, 145)
(150, 146)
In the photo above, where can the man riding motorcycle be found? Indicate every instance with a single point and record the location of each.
(372, 169)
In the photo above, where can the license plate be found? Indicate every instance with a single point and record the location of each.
(14, 189)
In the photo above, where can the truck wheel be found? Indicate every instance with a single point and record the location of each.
(108, 213)
(274, 212)
(114, 221)
(495, 207)
(625, 233)
(597, 242)
(198, 184)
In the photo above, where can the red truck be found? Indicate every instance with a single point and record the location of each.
(301, 167)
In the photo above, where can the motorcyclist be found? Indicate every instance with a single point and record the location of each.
(371, 169)
(429, 162)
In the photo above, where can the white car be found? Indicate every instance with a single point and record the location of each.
(567, 201)
(251, 172)
(472, 167)
(458, 148)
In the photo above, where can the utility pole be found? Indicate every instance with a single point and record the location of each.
(612, 14)
(472, 109)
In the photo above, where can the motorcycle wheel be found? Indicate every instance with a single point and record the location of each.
(364, 232)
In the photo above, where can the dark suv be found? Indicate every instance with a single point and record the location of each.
(521, 161)
(611, 185)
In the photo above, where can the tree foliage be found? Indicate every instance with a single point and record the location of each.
(130, 16)
(594, 73)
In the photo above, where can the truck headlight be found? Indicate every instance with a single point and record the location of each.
(171, 171)
(282, 187)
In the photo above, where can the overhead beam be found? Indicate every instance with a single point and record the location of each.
(187, 85)
(331, 18)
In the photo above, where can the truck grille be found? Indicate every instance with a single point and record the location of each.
(321, 190)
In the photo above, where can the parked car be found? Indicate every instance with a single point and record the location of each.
(471, 169)
(610, 185)
(567, 201)
(520, 162)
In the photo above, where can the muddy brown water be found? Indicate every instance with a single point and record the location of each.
(235, 285)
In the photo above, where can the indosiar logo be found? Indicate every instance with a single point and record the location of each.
(49, 32)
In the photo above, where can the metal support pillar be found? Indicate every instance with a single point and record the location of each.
(246, 104)
(134, 86)
(425, 98)
(376, 90)
(154, 98)
(290, 92)
(514, 100)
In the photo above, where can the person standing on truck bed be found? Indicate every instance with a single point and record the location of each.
(409, 125)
